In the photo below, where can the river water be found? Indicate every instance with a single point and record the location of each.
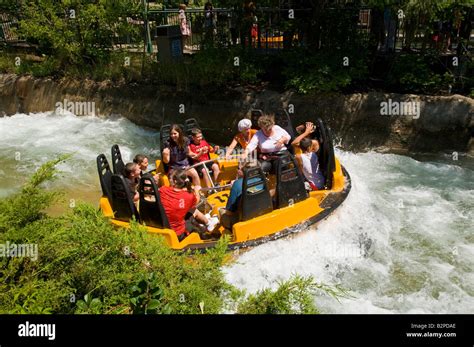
(402, 242)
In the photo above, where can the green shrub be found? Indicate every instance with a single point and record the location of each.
(7, 63)
(323, 71)
(78, 33)
(82, 257)
(210, 68)
(413, 74)
(295, 296)
(48, 67)
(86, 265)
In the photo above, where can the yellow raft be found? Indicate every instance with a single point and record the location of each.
(262, 217)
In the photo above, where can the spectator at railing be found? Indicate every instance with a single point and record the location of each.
(233, 25)
(210, 22)
(183, 24)
(248, 22)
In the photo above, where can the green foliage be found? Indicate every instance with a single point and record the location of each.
(89, 305)
(28, 206)
(86, 265)
(7, 64)
(48, 67)
(323, 71)
(95, 39)
(77, 33)
(413, 73)
(295, 296)
(147, 297)
(211, 67)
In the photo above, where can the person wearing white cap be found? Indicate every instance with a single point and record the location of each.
(243, 137)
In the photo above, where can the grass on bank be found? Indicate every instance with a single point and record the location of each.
(85, 265)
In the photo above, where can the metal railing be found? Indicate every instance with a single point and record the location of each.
(228, 27)
(7, 29)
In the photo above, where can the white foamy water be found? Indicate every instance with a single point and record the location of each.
(28, 141)
(402, 242)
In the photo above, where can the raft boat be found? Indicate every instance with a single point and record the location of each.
(261, 216)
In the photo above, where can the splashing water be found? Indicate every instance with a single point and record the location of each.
(28, 141)
(402, 242)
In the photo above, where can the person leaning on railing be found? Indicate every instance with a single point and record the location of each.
(210, 21)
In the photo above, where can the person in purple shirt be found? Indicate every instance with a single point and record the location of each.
(175, 153)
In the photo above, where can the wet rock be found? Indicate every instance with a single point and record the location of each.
(444, 123)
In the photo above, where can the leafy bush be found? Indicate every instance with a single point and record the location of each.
(27, 207)
(295, 296)
(48, 67)
(77, 33)
(323, 71)
(147, 297)
(413, 74)
(7, 64)
(82, 257)
(84, 264)
(210, 67)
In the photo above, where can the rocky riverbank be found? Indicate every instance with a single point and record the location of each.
(391, 122)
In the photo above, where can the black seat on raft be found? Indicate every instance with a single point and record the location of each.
(327, 162)
(117, 162)
(105, 176)
(255, 200)
(122, 202)
(190, 124)
(164, 136)
(152, 212)
(331, 162)
(290, 182)
(282, 118)
(254, 116)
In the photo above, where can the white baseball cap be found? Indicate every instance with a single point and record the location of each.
(244, 124)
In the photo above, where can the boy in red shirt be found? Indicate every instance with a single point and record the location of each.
(199, 151)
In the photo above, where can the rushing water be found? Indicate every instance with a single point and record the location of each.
(402, 242)
(27, 141)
